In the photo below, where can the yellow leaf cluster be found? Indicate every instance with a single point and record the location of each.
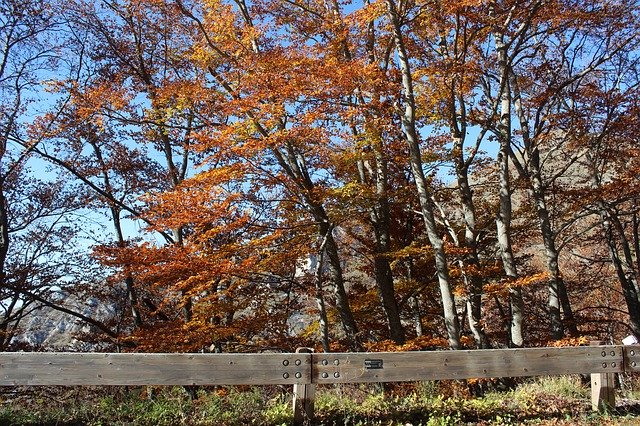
(417, 344)
(568, 341)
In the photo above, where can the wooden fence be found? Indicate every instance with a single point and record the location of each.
(305, 369)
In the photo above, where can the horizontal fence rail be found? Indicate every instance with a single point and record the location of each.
(305, 369)
(442, 365)
(65, 368)
(70, 368)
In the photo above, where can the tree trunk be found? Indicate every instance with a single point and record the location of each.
(379, 210)
(132, 295)
(411, 135)
(503, 218)
(384, 281)
(4, 232)
(414, 301)
(342, 301)
(556, 283)
(558, 297)
(473, 281)
(623, 265)
(322, 310)
(384, 276)
(294, 166)
(626, 275)
(380, 218)
(503, 227)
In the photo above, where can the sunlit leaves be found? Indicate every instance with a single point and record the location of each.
(237, 136)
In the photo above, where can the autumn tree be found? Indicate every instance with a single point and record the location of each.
(249, 156)
(605, 112)
(25, 52)
(124, 135)
(408, 114)
(269, 126)
(567, 51)
(41, 247)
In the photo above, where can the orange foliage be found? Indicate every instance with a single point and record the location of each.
(568, 341)
(417, 344)
(274, 123)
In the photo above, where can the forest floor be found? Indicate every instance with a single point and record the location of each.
(542, 401)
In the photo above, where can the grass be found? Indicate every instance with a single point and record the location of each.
(543, 401)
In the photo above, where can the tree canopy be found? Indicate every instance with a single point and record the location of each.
(236, 175)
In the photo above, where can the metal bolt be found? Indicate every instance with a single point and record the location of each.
(336, 374)
(613, 364)
(285, 362)
(298, 375)
(633, 353)
(325, 362)
(633, 364)
(613, 353)
(604, 365)
(604, 353)
(298, 362)
(336, 362)
(325, 375)
(285, 375)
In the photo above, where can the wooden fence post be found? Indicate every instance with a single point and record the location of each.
(603, 395)
(303, 398)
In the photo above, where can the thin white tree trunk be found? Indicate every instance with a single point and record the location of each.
(424, 194)
(503, 219)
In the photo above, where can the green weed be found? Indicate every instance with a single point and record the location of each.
(554, 400)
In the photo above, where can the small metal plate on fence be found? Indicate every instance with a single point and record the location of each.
(373, 364)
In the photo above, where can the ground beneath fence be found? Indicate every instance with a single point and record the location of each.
(545, 401)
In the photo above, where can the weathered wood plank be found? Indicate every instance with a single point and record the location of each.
(34, 368)
(603, 396)
(303, 399)
(260, 369)
(441, 365)
(603, 392)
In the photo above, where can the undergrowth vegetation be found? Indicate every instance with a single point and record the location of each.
(552, 400)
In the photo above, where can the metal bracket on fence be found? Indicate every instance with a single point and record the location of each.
(612, 358)
(297, 368)
(631, 358)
